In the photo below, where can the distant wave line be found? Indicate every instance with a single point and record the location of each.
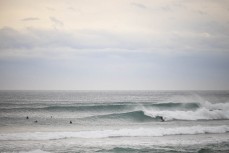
(140, 132)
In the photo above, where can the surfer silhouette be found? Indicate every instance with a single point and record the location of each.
(70, 122)
(162, 119)
(27, 117)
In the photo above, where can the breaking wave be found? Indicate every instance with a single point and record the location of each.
(204, 111)
(138, 112)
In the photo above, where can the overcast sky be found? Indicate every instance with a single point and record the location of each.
(114, 44)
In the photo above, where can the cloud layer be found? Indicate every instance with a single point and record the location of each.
(114, 44)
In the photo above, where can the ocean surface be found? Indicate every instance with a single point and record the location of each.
(114, 121)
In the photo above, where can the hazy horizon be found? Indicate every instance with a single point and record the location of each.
(163, 90)
(114, 45)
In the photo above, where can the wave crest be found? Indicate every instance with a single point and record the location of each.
(206, 111)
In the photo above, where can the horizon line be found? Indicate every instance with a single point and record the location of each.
(114, 89)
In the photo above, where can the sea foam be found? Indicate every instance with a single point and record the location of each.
(206, 111)
(139, 132)
(34, 151)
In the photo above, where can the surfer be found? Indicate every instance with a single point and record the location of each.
(27, 117)
(162, 119)
(70, 122)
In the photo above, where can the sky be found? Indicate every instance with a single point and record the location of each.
(114, 45)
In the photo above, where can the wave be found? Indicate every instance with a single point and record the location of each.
(34, 151)
(200, 114)
(130, 150)
(76, 107)
(140, 132)
(179, 106)
(87, 108)
(140, 112)
(155, 115)
(102, 106)
(206, 111)
(138, 116)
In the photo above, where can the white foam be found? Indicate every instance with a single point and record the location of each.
(34, 151)
(207, 111)
(212, 106)
(140, 132)
(200, 114)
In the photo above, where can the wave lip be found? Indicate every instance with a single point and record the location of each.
(140, 132)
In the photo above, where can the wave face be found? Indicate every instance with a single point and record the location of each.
(170, 111)
(137, 116)
(140, 132)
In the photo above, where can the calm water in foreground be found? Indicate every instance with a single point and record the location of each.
(114, 121)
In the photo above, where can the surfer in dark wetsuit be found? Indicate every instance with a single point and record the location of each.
(70, 122)
(162, 119)
(27, 117)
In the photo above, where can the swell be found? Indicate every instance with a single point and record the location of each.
(129, 150)
(137, 116)
(177, 105)
(99, 107)
(139, 132)
(146, 115)
(139, 112)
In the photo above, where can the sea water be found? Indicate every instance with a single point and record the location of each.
(114, 121)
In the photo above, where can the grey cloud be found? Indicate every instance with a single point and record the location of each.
(30, 19)
(71, 8)
(138, 5)
(201, 12)
(50, 9)
(166, 8)
(56, 21)
(106, 40)
(10, 38)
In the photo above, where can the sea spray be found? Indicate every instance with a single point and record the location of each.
(200, 114)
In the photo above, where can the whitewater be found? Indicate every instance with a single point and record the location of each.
(114, 121)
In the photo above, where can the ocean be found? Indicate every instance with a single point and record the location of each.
(114, 121)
